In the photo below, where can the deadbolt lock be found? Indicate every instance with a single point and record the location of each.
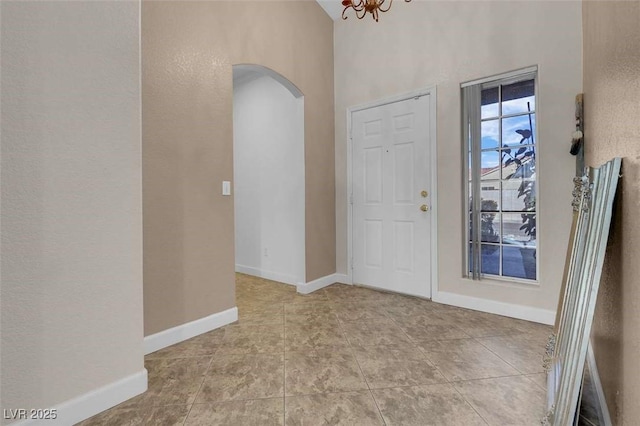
(424, 194)
(424, 208)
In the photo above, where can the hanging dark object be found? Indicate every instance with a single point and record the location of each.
(576, 142)
(577, 135)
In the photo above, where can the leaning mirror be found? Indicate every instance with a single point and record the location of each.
(567, 350)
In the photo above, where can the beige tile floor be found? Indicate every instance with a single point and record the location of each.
(345, 355)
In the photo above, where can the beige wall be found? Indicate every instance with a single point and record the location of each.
(420, 44)
(612, 108)
(188, 51)
(71, 201)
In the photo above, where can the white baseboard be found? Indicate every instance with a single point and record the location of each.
(343, 279)
(91, 403)
(268, 275)
(543, 316)
(191, 329)
(311, 286)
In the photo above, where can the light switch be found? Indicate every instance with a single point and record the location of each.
(226, 187)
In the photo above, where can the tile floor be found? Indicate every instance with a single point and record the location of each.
(345, 355)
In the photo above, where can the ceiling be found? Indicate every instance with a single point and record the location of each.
(332, 7)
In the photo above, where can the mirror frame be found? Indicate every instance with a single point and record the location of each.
(567, 350)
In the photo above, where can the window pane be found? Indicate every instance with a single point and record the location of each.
(490, 134)
(519, 262)
(489, 103)
(490, 259)
(519, 229)
(518, 195)
(509, 167)
(490, 196)
(490, 164)
(519, 105)
(518, 130)
(519, 162)
(518, 97)
(490, 227)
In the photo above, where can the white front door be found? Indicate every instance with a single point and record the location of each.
(391, 191)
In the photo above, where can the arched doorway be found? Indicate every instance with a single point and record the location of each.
(269, 179)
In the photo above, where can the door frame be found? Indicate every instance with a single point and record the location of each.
(431, 91)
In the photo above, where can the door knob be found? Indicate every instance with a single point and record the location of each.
(424, 208)
(424, 194)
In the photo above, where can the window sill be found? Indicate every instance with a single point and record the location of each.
(504, 281)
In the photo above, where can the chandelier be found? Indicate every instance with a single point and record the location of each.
(361, 7)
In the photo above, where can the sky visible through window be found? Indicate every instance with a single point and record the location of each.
(491, 127)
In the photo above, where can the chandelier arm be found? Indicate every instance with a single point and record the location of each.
(359, 6)
(364, 13)
(351, 5)
(344, 12)
(388, 7)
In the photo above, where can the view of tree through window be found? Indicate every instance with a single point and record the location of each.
(505, 181)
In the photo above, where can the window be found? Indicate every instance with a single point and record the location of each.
(499, 126)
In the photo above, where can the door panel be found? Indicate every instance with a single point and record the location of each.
(373, 243)
(391, 235)
(403, 173)
(373, 175)
(403, 244)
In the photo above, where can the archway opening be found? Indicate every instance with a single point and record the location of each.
(269, 179)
